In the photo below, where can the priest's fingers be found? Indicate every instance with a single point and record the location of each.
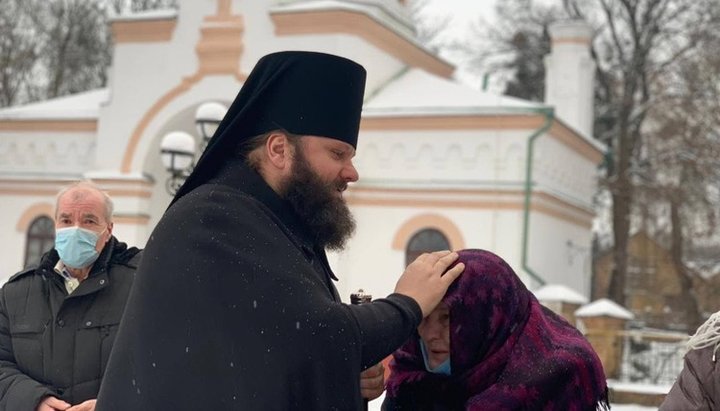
(423, 280)
(433, 257)
(452, 274)
(88, 405)
(372, 382)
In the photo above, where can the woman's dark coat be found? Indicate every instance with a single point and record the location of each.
(234, 308)
(698, 385)
(52, 343)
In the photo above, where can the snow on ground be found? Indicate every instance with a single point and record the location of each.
(630, 407)
(375, 406)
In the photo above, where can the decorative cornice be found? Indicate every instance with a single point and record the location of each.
(583, 41)
(452, 122)
(531, 122)
(578, 144)
(220, 45)
(541, 202)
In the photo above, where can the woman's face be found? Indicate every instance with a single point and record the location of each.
(435, 332)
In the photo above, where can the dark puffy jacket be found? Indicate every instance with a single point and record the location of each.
(52, 343)
(698, 385)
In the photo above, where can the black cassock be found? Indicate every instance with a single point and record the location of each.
(233, 308)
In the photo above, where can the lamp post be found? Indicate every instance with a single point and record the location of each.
(178, 148)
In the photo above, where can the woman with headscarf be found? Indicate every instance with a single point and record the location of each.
(490, 345)
(697, 388)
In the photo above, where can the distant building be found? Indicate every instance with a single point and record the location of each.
(654, 292)
(441, 165)
(703, 262)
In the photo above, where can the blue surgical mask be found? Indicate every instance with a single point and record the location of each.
(76, 246)
(443, 368)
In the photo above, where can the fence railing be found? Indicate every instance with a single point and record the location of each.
(651, 356)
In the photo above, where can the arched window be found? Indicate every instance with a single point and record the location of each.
(424, 241)
(40, 239)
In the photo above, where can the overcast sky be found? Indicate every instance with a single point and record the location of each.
(463, 11)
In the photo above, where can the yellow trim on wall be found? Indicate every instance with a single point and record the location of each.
(61, 126)
(425, 221)
(131, 220)
(585, 41)
(143, 31)
(219, 50)
(31, 213)
(566, 136)
(452, 122)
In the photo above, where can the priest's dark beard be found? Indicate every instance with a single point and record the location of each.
(326, 215)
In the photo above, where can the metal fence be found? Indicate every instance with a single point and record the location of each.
(651, 356)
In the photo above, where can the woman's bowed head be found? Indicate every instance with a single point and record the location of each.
(490, 345)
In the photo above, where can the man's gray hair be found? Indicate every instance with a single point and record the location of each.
(89, 185)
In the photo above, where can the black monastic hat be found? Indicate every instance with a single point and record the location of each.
(304, 93)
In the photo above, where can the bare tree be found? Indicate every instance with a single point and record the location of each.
(73, 43)
(50, 48)
(639, 45)
(18, 53)
(523, 36)
(681, 167)
(429, 29)
(140, 5)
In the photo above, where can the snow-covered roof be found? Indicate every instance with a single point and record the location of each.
(638, 387)
(604, 307)
(159, 14)
(705, 269)
(417, 92)
(558, 292)
(115, 175)
(81, 106)
(388, 12)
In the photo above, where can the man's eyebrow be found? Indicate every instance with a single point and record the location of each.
(90, 215)
(345, 149)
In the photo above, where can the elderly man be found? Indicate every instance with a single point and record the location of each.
(58, 321)
(234, 305)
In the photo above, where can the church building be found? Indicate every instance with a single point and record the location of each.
(441, 165)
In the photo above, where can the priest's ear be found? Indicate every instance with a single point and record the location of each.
(279, 150)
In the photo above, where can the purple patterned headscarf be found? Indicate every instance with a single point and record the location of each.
(507, 352)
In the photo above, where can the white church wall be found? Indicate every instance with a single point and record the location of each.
(559, 169)
(559, 252)
(372, 263)
(131, 234)
(473, 178)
